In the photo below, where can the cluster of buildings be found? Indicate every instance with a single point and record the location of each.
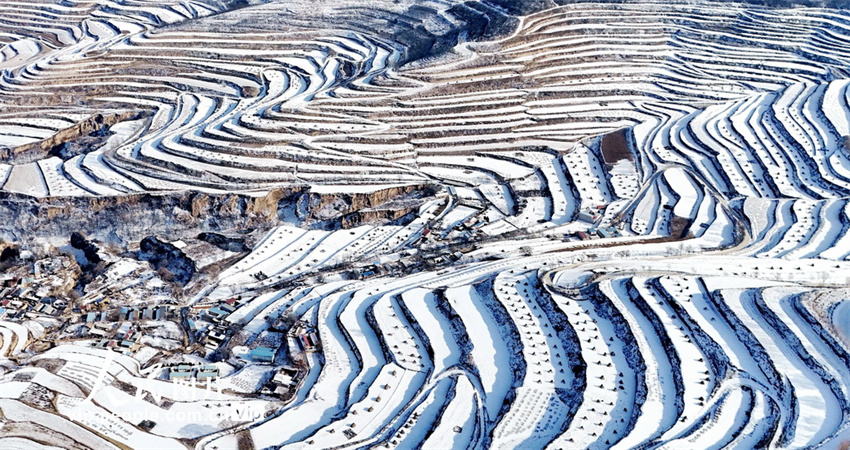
(121, 339)
(591, 215)
(473, 225)
(127, 313)
(404, 265)
(124, 346)
(128, 282)
(144, 313)
(25, 297)
(217, 327)
(284, 382)
(185, 372)
(220, 312)
(593, 233)
(303, 337)
(119, 329)
(445, 258)
(215, 336)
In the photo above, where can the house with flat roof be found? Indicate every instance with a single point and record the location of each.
(207, 372)
(181, 372)
(263, 354)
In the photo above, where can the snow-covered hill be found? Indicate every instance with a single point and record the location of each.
(472, 225)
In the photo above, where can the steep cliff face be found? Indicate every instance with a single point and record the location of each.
(350, 210)
(80, 138)
(130, 218)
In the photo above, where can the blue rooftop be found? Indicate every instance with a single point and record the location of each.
(263, 353)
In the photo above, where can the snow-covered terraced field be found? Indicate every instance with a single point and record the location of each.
(638, 234)
(713, 351)
(335, 108)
